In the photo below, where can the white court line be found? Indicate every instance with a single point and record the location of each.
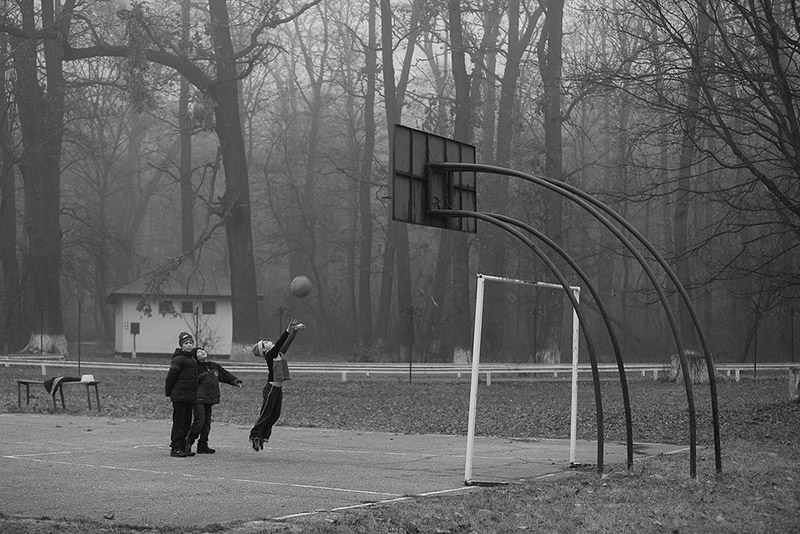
(390, 501)
(364, 452)
(201, 477)
(376, 503)
(424, 454)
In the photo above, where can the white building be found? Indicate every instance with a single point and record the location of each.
(147, 322)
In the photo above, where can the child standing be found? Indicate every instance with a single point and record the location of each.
(273, 392)
(209, 375)
(181, 387)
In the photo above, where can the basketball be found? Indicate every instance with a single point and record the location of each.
(300, 286)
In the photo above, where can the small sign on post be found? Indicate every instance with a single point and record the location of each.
(134, 331)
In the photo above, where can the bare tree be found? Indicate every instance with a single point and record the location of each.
(213, 67)
(40, 101)
(731, 79)
(549, 49)
(494, 195)
(11, 326)
(396, 252)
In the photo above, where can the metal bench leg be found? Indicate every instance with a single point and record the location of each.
(97, 395)
(88, 397)
(19, 394)
(63, 406)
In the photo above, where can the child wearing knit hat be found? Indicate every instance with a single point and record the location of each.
(181, 388)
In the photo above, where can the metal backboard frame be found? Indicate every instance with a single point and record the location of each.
(416, 188)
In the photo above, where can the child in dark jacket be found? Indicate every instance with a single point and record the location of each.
(181, 388)
(272, 394)
(209, 375)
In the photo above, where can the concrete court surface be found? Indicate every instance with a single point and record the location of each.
(120, 471)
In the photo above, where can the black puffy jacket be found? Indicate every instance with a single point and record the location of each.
(181, 383)
(210, 374)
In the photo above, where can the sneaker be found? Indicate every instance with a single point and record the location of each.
(177, 453)
(255, 443)
(205, 449)
(188, 452)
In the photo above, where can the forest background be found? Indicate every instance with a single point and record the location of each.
(251, 140)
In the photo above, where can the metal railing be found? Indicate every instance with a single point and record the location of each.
(488, 371)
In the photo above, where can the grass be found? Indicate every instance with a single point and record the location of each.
(757, 491)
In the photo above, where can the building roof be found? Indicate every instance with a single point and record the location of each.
(182, 283)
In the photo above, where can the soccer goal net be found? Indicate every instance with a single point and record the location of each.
(476, 361)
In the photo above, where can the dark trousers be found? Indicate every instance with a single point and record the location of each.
(270, 412)
(201, 426)
(181, 422)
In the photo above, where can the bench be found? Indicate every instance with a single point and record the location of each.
(59, 389)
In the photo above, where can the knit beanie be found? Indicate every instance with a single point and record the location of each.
(183, 336)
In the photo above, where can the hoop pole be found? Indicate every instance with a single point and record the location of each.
(591, 204)
(566, 287)
(603, 313)
(573, 427)
(473, 389)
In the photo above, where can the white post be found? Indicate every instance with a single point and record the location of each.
(573, 429)
(473, 390)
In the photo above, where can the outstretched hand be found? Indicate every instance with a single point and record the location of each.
(295, 325)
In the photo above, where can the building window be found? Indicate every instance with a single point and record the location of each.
(165, 307)
(187, 306)
(209, 307)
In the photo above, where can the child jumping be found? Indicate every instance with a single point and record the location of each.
(272, 393)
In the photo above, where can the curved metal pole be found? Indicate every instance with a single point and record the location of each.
(565, 284)
(712, 375)
(557, 187)
(602, 309)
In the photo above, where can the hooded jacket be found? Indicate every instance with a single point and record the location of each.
(181, 382)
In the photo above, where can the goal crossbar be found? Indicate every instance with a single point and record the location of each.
(476, 357)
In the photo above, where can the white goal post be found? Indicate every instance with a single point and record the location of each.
(476, 360)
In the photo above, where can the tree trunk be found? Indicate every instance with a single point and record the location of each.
(397, 232)
(392, 104)
(236, 201)
(385, 293)
(684, 198)
(666, 216)
(696, 362)
(549, 50)
(405, 304)
(462, 349)
(493, 249)
(10, 314)
(41, 114)
(185, 127)
(794, 385)
(365, 189)
(435, 327)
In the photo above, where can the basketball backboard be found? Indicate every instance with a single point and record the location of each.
(416, 188)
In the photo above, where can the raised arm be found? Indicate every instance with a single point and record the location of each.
(292, 329)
